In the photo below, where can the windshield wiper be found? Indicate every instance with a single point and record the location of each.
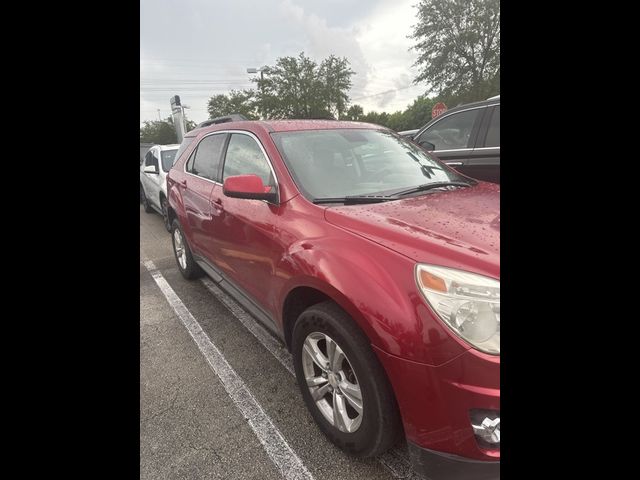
(429, 186)
(353, 199)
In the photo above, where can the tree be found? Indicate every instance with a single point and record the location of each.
(354, 112)
(418, 113)
(297, 87)
(336, 82)
(458, 42)
(161, 132)
(236, 101)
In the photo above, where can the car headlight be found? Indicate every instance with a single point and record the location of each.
(468, 303)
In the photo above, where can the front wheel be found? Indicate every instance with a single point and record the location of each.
(342, 382)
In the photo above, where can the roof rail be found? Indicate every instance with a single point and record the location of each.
(234, 117)
(497, 97)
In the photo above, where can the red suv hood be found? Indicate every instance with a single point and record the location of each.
(459, 229)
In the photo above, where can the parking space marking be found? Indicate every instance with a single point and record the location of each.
(274, 444)
(394, 460)
(275, 347)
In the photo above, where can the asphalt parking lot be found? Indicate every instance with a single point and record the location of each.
(217, 395)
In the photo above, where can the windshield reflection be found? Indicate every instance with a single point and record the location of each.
(354, 162)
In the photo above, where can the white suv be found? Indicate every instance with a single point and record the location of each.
(153, 178)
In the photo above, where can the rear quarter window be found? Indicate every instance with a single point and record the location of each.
(183, 146)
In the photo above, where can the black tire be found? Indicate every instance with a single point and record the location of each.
(145, 201)
(191, 270)
(381, 425)
(165, 213)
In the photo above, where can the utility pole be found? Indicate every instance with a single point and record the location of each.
(256, 70)
(159, 118)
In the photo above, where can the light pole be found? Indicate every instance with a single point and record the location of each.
(256, 70)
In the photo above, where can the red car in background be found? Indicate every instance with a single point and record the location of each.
(376, 264)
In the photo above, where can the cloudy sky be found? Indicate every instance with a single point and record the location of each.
(198, 48)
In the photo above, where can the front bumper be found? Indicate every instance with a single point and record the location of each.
(434, 465)
(435, 404)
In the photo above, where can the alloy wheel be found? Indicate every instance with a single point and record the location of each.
(180, 248)
(332, 382)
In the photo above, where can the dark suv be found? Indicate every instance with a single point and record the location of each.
(377, 266)
(467, 138)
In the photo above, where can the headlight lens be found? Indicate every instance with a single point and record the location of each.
(468, 303)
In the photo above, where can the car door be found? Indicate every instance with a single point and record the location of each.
(150, 180)
(155, 181)
(202, 171)
(244, 232)
(454, 136)
(485, 162)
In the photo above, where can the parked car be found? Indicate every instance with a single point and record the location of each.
(409, 133)
(376, 264)
(467, 138)
(144, 148)
(153, 173)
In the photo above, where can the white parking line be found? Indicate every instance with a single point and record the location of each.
(395, 460)
(279, 451)
(275, 347)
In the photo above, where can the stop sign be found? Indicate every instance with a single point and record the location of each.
(438, 109)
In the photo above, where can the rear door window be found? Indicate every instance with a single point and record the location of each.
(205, 161)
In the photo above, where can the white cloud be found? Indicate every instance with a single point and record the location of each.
(197, 48)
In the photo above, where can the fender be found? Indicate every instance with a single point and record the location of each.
(176, 203)
(377, 280)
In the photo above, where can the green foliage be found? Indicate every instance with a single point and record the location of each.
(236, 101)
(414, 116)
(458, 42)
(354, 112)
(161, 132)
(297, 87)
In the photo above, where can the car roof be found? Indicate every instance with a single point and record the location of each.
(172, 146)
(482, 103)
(489, 102)
(272, 126)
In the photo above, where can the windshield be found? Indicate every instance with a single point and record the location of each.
(168, 156)
(345, 162)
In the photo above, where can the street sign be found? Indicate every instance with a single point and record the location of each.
(176, 107)
(438, 109)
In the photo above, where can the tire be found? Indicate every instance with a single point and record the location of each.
(365, 434)
(188, 268)
(165, 213)
(145, 201)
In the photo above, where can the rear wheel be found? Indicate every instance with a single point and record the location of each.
(342, 382)
(145, 201)
(186, 264)
(165, 213)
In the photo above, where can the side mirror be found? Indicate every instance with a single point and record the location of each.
(150, 169)
(427, 145)
(249, 187)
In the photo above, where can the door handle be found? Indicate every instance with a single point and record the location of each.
(216, 203)
(454, 164)
(182, 183)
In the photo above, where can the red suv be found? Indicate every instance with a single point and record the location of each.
(376, 264)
